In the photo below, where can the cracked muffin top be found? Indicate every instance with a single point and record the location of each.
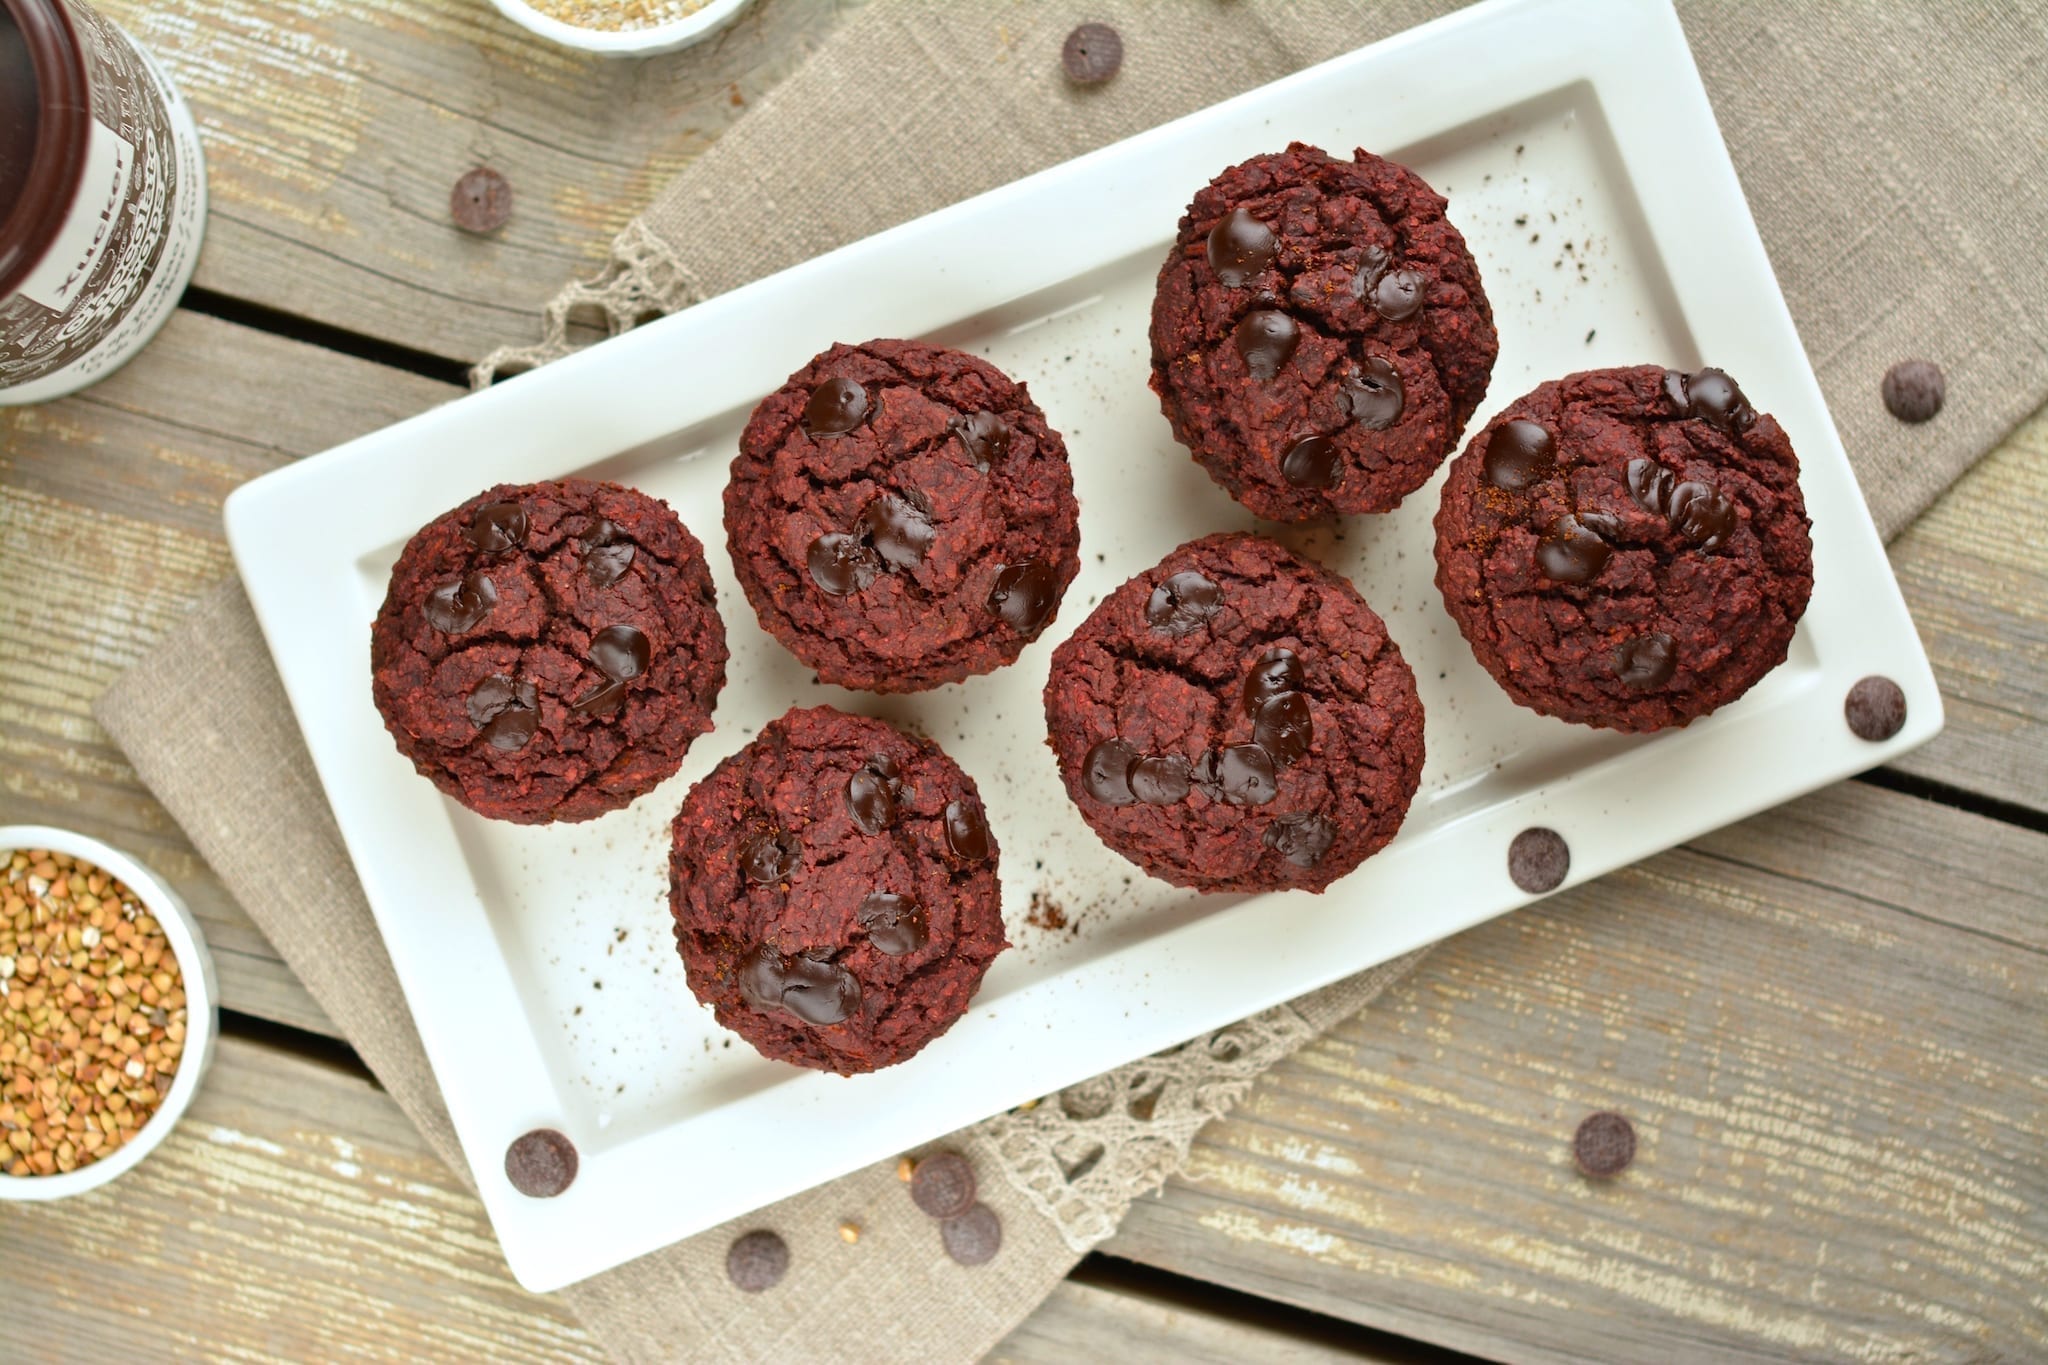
(1236, 718)
(548, 651)
(1627, 548)
(901, 516)
(835, 892)
(1319, 333)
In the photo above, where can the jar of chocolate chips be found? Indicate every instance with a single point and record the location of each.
(102, 198)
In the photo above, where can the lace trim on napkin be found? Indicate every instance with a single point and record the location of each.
(642, 279)
(1082, 1156)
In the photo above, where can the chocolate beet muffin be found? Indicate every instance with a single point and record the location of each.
(1319, 334)
(1626, 548)
(834, 890)
(548, 651)
(1236, 719)
(901, 516)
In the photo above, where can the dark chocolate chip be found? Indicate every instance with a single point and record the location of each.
(1398, 294)
(1242, 775)
(1604, 1144)
(757, 1261)
(816, 991)
(943, 1185)
(481, 200)
(1875, 709)
(606, 557)
(1374, 395)
(1646, 661)
(899, 529)
(836, 407)
(1092, 54)
(1518, 454)
(984, 436)
(460, 606)
(498, 528)
(621, 654)
(1701, 514)
(1300, 839)
(1284, 728)
(770, 856)
(966, 831)
(1183, 602)
(841, 565)
(1106, 772)
(1571, 550)
(1278, 670)
(1711, 396)
(505, 712)
(895, 924)
(1311, 463)
(1266, 338)
(871, 794)
(1161, 779)
(541, 1164)
(1240, 246)
(1650, 484)
(1023, 596)
(1538, 859)
(1913, 390)
(974, 1237)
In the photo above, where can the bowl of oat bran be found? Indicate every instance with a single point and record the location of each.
(622, 28)
(107, 1012)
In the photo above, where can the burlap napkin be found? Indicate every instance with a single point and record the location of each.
(1895, 162)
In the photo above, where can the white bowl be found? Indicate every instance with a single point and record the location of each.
(639, 42)
(202, 1019)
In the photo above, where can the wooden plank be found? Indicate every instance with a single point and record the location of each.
(1081, 1322)
(296, 1215)
(109, 528)
(333, 132)
(1975, 572)
(1825, 1024)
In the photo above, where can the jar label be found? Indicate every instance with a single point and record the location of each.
(59, 280)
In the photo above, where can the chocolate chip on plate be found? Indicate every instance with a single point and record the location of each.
(1092, 54)
(1913, 390)
(756, 1261)
(1875, 709)
(1538, 860)
(974, 1237)
(481, 201)
(541, 1164)
(942, 1185)
(1604, 1144)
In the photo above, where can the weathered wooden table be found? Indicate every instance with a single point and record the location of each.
(1829, 1023)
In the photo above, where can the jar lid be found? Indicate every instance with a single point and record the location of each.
(46, 122)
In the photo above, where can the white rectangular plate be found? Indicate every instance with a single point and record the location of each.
(1583, 164)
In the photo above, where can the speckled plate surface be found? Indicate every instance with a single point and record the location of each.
(1582, 163)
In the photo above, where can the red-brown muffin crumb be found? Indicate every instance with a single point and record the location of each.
(548, 651)
(835, 893)
(1237, 719)
(901, 516)
(1626, 548)
(1319, 333)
